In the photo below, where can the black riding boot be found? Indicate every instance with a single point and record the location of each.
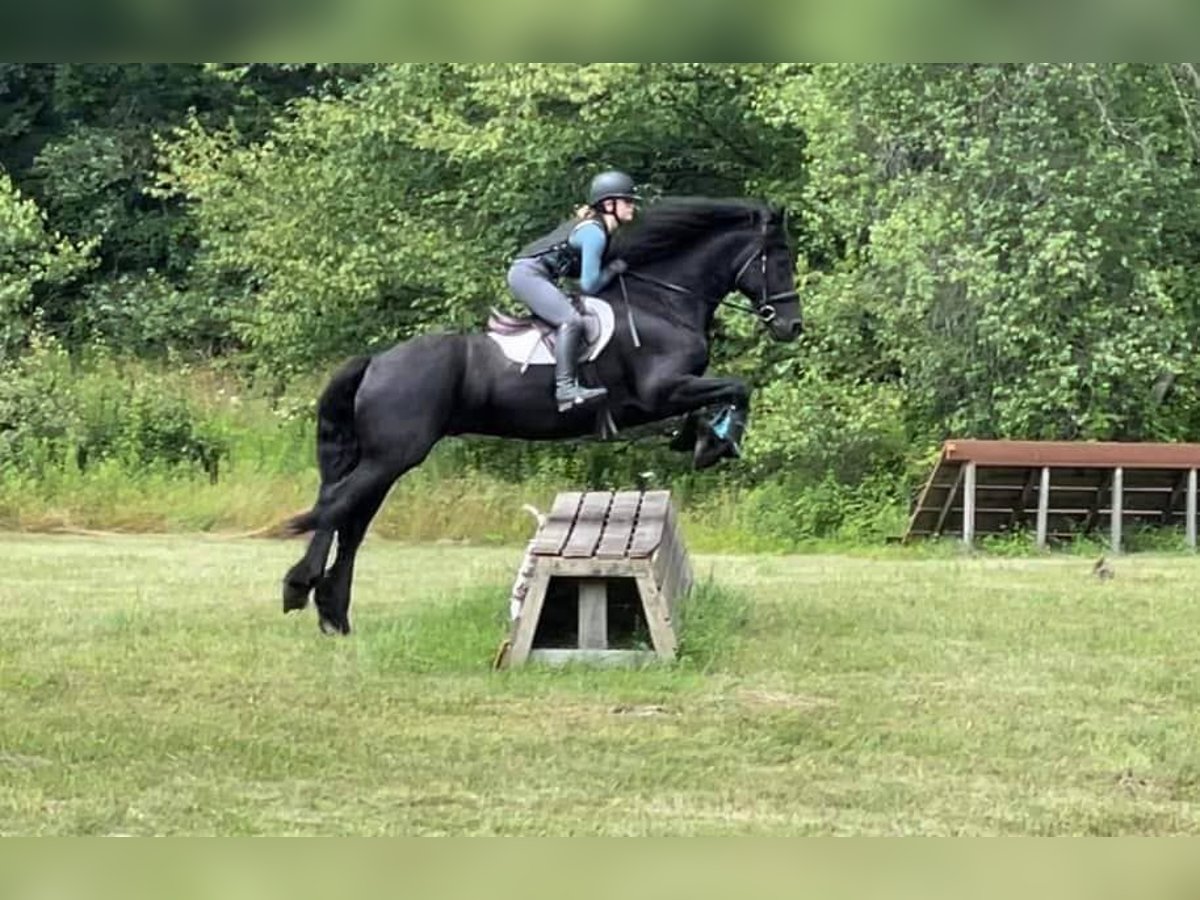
(567, 390)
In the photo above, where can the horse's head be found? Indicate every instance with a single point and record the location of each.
(765, 275)
(711, 248)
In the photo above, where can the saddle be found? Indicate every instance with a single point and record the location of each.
(529, 341)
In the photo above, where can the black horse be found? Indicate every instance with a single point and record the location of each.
(379, 416)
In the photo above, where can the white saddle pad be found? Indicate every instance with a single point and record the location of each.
(528, 348)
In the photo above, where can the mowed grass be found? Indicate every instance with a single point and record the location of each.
(151, 685)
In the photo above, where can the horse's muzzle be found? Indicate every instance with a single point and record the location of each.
(786, 330)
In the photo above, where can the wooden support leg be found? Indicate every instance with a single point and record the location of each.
(658, 617)
(947, 503)
(1017, 517)
(531, 611)
(593, 614)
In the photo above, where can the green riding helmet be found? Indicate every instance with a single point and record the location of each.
(609, 185)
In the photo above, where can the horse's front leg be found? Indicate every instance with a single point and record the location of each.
(723, 435)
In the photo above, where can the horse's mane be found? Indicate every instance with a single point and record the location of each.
(674, 223)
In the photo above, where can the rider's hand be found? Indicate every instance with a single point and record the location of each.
(610, 271)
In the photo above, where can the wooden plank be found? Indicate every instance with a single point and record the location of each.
(663, 556)
(1018, 513)
(660, 559)
(618, 530)
(920, 506)
(593, 614)
(968, 516)
(1191, 508)
(689, 578)
(682, 584)
(945, 510)
(1093, 512)
(589, 523)
(607, 658)
(531, 612)
(651, 520)
(1118, 499)
(1043, 510)
(681, 580)
(1002, 513)
(1174, 497)
(658, 616)
(1153, 479)
(668, 587)
(667, 561)
(1008, 498)
(591, 567)
(996, 522)
(551, 538)
(671, 560)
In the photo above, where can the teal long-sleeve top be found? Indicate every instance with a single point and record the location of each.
(591, 239)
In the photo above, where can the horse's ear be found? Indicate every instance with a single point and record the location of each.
(775, 216)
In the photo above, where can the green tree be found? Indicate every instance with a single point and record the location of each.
(394, 208)
(79, 139)
(35, 265)
(1012, 245)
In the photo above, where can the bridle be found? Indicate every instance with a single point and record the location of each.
(765, 311)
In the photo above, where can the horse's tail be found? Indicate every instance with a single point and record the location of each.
(337, 443)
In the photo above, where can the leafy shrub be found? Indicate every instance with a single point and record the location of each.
(55, 412)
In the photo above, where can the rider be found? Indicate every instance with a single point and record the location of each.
(574, 249)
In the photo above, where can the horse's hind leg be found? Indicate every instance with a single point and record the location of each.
(337, 454)
(339, 508)
(354, 505)
(333, 590)
(400, 410)
(304, 575)
(349, 506)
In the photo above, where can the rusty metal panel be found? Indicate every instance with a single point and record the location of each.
(1081, 454)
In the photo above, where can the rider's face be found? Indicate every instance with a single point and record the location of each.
(624, 209)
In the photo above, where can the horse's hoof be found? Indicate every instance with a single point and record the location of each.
(684, 440)
(295, 596)
(329, 627)
(708, 453)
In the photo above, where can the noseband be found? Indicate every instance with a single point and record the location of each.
(765, 311)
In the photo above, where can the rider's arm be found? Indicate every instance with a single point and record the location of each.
(591, 240)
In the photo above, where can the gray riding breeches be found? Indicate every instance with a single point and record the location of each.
(532, 284)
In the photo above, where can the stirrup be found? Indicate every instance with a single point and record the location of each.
(570, 396)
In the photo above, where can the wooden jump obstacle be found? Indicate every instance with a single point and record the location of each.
(1067, 487)
(603, 566)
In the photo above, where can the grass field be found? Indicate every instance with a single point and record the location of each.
(150, 685)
